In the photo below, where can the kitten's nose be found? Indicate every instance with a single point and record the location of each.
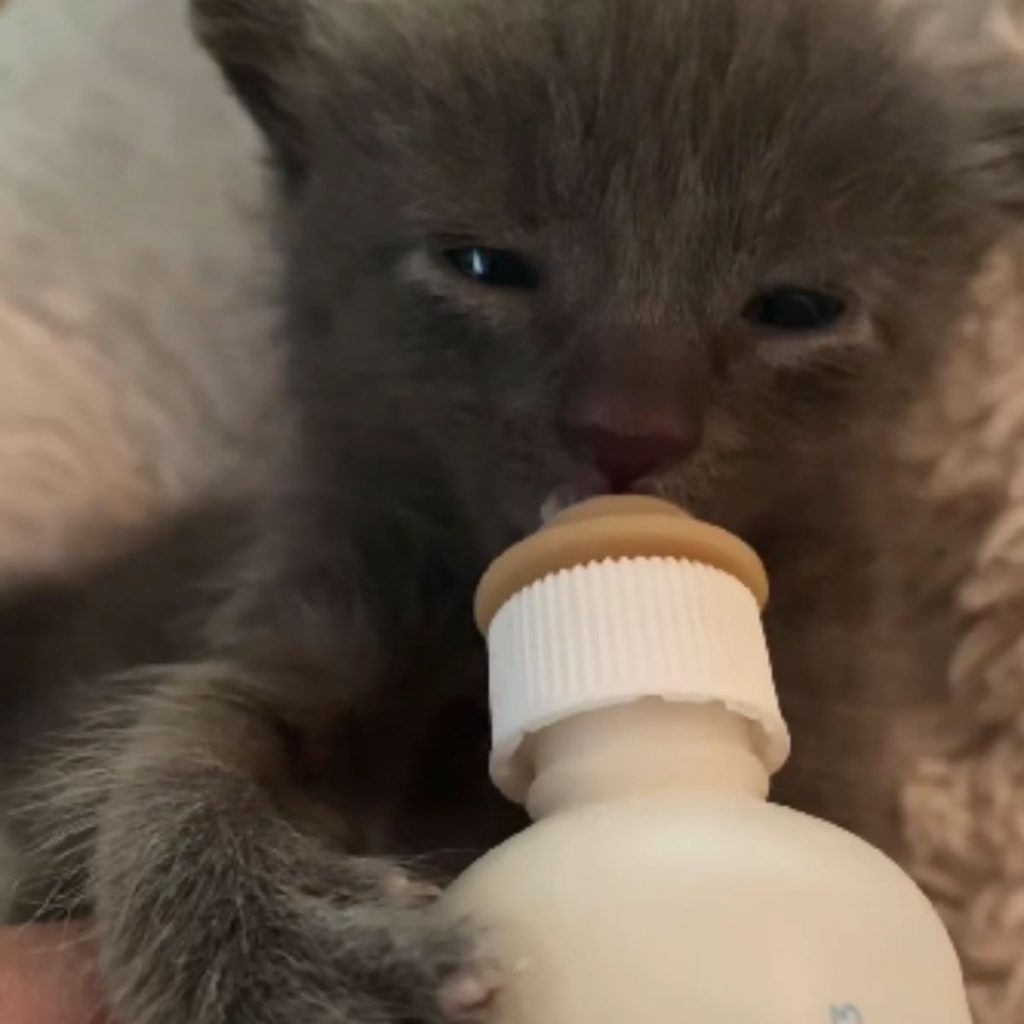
(623, 457)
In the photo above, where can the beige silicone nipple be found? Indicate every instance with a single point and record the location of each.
(614, 527)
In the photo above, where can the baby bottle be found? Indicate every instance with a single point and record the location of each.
(635, 717)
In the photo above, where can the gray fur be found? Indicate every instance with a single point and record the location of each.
(223, 817)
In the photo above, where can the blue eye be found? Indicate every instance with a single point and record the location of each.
(496, 268)
(795, 309)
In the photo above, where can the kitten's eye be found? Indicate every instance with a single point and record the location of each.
(497, 268)
(795, 309)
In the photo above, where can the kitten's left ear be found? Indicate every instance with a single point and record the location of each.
(994, 156)
(974, 55)
(266, 51)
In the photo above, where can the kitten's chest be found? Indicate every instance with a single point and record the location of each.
(410, 770)
(450, 812)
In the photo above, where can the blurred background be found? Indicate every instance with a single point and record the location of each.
(131, 353)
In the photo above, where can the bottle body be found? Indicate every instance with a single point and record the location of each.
(635, 717)
(706, 908)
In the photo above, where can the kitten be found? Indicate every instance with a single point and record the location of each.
(530, 251)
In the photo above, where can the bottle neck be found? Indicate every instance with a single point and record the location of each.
(643, 748)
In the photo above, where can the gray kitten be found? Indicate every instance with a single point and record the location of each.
(531, 251)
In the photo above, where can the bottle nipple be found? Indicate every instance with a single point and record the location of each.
(617, 600)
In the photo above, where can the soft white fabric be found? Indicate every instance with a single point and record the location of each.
(129, 337)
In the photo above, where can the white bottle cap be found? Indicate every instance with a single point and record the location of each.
(575, 623)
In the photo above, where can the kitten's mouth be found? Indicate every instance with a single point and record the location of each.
(586, 485)
(580, 487)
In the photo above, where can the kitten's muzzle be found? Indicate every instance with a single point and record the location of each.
(625, 456)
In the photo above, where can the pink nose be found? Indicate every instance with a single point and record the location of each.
(625, 458)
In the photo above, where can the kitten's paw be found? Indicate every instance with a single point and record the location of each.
(469, 992)
(405, 964)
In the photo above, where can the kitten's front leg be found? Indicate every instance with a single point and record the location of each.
(224, 895)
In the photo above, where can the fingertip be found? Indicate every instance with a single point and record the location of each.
(47, 976)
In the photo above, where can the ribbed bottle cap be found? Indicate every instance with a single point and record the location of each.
(616, 600)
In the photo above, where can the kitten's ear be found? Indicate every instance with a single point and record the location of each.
(974, 55)
(264, 50)
(994, 157)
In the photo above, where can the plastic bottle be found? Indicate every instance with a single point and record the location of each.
(635, 716)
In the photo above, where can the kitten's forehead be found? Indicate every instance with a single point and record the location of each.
(707, 117)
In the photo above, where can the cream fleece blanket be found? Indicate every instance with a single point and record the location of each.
(963, 795)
